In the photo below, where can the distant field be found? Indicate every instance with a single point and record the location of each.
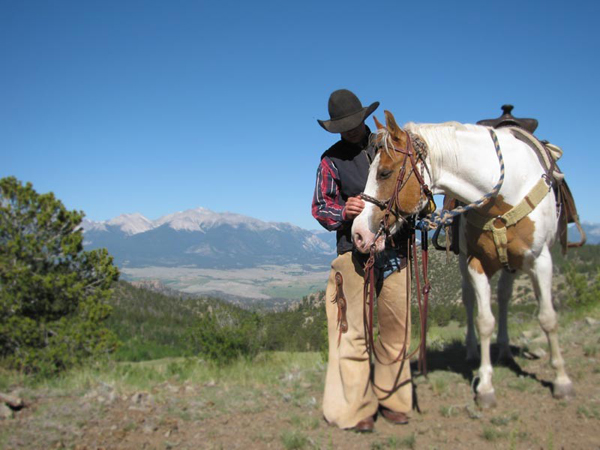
(291, 281)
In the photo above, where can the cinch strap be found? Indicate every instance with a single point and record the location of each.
(497, 225)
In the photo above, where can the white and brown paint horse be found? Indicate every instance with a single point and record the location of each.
(461, 162)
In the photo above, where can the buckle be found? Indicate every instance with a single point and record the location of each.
(499, 222)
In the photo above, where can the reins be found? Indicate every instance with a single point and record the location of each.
(391, 207)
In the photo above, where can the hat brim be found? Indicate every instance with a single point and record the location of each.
(349, 122)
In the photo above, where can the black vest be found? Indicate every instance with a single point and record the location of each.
(352, 163)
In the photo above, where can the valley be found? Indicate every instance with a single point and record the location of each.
(291, 281)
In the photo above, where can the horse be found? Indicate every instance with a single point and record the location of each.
(463, 161)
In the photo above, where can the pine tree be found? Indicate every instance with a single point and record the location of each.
(52, 293)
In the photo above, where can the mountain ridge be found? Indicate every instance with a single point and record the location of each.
(200, 237)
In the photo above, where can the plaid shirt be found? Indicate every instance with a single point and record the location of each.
(328, 206)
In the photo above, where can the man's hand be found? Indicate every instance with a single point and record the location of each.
(354, 206)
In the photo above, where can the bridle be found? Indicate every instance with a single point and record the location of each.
(391, 206)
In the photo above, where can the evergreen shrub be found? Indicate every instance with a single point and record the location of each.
(52, 293)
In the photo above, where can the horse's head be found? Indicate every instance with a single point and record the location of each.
(394, 190)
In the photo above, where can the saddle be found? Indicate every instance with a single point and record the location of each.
(548, 153)
(508, 120)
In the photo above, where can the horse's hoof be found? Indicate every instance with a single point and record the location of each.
(563, 391)
(486, 400)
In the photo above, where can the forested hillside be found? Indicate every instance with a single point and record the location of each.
(153, 324)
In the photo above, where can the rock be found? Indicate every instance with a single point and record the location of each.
(148, 429)
(5, 412)
(211, 383)
(538, 353)
(112, 397)
(11, 400)
(190, 390)
(528, 334)
(172, 389)
(141, 409)
(472, 412)
(591, 322)
(140, 398)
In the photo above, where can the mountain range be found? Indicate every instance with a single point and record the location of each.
(203, 238)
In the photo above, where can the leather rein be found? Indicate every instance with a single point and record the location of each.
(392, 207)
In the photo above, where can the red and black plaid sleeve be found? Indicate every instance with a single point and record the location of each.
(328, 204)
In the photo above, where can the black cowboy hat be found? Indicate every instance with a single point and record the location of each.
(346, 112)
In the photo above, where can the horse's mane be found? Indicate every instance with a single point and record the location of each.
(441, 138)
(381, 136)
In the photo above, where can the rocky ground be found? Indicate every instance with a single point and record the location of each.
(274, 402)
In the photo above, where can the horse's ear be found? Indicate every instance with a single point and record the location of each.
(397, 133)
(378, 123)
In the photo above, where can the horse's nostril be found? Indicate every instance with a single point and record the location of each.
(358, 238)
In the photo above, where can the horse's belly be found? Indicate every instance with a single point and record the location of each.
(481, 245)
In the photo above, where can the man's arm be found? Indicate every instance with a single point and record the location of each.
(328, 204)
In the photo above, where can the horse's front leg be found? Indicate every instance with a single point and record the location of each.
(505, 289)
(485, 395)
(541, 277)
(468, 298)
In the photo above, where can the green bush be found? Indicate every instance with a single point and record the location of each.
(221, 339)
(584, 292)
(52, 294)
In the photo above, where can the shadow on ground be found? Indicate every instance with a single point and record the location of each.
(453, 358)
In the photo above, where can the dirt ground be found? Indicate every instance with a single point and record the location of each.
(213, 415)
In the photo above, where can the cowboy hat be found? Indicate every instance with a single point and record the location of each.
(346, 112)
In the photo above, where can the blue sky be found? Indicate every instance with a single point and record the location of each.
(156, 107)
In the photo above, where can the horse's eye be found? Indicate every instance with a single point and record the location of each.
(383, 174)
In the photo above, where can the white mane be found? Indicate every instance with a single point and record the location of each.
(441, 136)
(441, 140)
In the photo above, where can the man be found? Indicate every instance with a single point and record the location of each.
(352, 397)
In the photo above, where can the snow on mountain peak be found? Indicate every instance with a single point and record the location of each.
(197, 219)
(131, 223)
(200, 219)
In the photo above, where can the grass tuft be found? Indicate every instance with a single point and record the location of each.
(293, 439)
(492, 434)
(449, 411)
(396, 442)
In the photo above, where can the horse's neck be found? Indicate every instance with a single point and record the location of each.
(468, 168)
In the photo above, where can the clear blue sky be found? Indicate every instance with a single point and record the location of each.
(161, 106)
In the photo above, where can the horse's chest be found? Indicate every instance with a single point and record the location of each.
(482, 246)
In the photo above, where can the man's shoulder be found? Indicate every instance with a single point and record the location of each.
(335, 151)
